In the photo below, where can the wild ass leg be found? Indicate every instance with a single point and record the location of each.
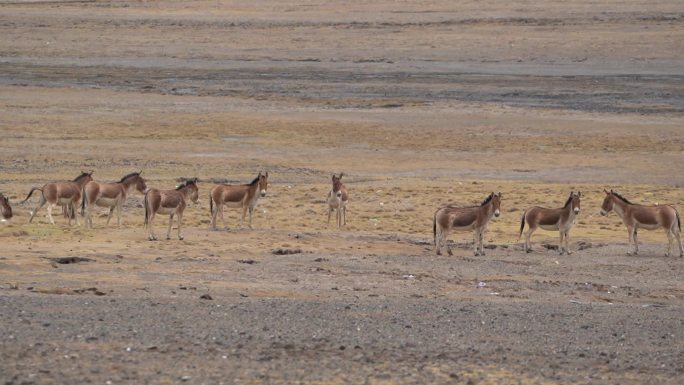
(223, 219)
(632, 236)
(214, 214)
(670, 240)
(561, 246)
(338, 216)
(242, 219)
(679, 243)
(251, 210)
(330, 210)
(150, 220)
(72, 212)
(35, 211)
(49, 210)
(445, 242)
(438, 241)
(476, 241)
(482, 234)
(528, 235)
(636, 242)
(567, 247)
(168, 232)
(119, 207)
(180, 220)
(109, 216)
(344, 214)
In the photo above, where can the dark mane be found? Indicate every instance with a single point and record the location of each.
(83, 175)
(568, 201)
(487, 200)
(128, 176)
(186, 183)
(621, 197)
(255, 180)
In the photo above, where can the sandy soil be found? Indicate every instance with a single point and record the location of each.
(420, 104)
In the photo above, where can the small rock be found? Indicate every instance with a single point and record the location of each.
(281, 251)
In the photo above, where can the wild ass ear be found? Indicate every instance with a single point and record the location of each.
(341, 174)
(579, 193)
(500, 195)
(606, 191)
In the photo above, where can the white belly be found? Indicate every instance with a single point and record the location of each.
(233, 205)
(464, 228)
(648, 227)
(549, 227)
(106, 202)
(166, 210)
(63, 201)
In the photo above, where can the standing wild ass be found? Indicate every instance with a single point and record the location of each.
(64, 194)
(636, 216)
(448, 219)
(560, 220)
(244, 197)
(112, 195)
(170, 202)
(337, 200)
(5, 208)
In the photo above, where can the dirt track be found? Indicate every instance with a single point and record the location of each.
(420, 105)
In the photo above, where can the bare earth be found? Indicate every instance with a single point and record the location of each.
(420, 104)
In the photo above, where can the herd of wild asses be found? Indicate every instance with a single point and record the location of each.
(87, 192)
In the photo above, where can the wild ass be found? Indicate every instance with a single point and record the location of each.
(636, 216)
(65, 194)
(243, 196)
(112, 195)
(170, 202)
(337, 200)
(560, 220)
(452, 218)
(5, 208)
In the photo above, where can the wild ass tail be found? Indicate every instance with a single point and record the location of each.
(211, 205)
(147, 209)
(83, 201)
(434, 228)
(522, 225)
(679, 222)
(31, 193)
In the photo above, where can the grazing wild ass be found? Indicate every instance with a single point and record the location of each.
(244, 197)
(5, 208)
(65, 194)
(112, 195)
(560, 220)
(448, 219)
(337, 200)
(170, 202)
(636, 216)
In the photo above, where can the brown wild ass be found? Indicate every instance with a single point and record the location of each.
(112, 195)
(560, 220)
(65, 194)
(244, 197)
(170, 202)
(5, 208)
(337, 200)
(636, 216)
(452, 218)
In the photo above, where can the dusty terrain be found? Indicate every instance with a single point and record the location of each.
(420, 104)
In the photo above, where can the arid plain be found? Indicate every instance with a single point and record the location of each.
(420, 104)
